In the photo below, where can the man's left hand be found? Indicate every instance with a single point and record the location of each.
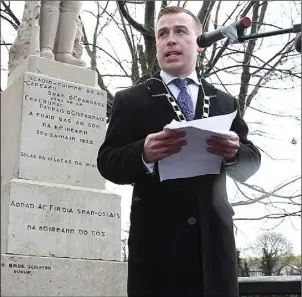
(225, 147)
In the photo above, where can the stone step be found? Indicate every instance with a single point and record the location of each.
(49, 276)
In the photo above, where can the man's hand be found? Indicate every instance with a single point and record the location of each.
(163, 144)
(226, 148)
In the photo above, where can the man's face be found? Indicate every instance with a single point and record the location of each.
(176, 44)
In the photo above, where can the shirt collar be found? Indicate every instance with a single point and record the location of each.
(167, 78)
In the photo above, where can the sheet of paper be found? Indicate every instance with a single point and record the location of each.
(194, 159)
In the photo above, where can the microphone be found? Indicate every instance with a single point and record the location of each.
(298, 43)
(232, 31)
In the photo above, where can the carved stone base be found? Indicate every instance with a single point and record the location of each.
(44, 276)
(43, 219)
(55, 69)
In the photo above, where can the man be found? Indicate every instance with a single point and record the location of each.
(181, 240)
(59, 22)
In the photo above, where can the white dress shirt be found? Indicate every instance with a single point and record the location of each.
(192, 89)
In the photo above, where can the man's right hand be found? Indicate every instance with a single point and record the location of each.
(160, 145)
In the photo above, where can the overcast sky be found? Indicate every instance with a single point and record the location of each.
(280, 130)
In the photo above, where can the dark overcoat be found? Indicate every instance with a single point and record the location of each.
(181, 240)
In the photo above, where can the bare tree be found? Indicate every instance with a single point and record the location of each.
(140, 39)
(250, 70)
(252, 66)
(255, 74)
(275, 252)
(92, 47)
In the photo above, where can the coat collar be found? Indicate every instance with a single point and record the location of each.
(206, 93)
(167, 78)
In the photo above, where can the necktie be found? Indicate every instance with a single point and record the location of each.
(184, 99)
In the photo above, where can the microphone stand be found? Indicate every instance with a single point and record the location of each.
(295, 29)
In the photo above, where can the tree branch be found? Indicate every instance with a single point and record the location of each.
(271, 216)
(204, 12)
(246, 76)
(101, 84)
(286, 71)
(164, 4)
(204, 17)
(226, 43)
(262, 191)
(229, 17)
(133, 52)
(85, 40)
(264, 78)
(4, 43)
(140, 28)
(215, 27)
(272, 158)
(94, 39)
(149, 15)
(10, 21)
(113, 58)
(150, 43)
(248, 8)
(273, 57)
(11, 14)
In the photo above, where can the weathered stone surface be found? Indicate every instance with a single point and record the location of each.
(61, 221)
(20, 49)
(58, 224)
(63, 126)
(18, 52)
(36, 276)
(54, 69)
(11, 114)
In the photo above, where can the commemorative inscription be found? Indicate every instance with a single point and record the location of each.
(63, 126)
(50, 276)
(63, 222)
(28, 269)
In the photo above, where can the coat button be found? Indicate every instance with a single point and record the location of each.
(191, 221)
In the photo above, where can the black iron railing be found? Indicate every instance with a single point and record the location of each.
(270, 286)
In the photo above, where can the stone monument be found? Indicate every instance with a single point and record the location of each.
(60, 228)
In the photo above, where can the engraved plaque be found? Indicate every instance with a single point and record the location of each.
(62, 128)
(62, 221)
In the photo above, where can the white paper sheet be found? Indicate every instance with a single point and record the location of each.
(194, 159)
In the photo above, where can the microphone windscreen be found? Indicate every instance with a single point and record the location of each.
(245, 22)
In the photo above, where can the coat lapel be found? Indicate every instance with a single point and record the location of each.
(199, 104)
(158, 89)
(206, 94)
